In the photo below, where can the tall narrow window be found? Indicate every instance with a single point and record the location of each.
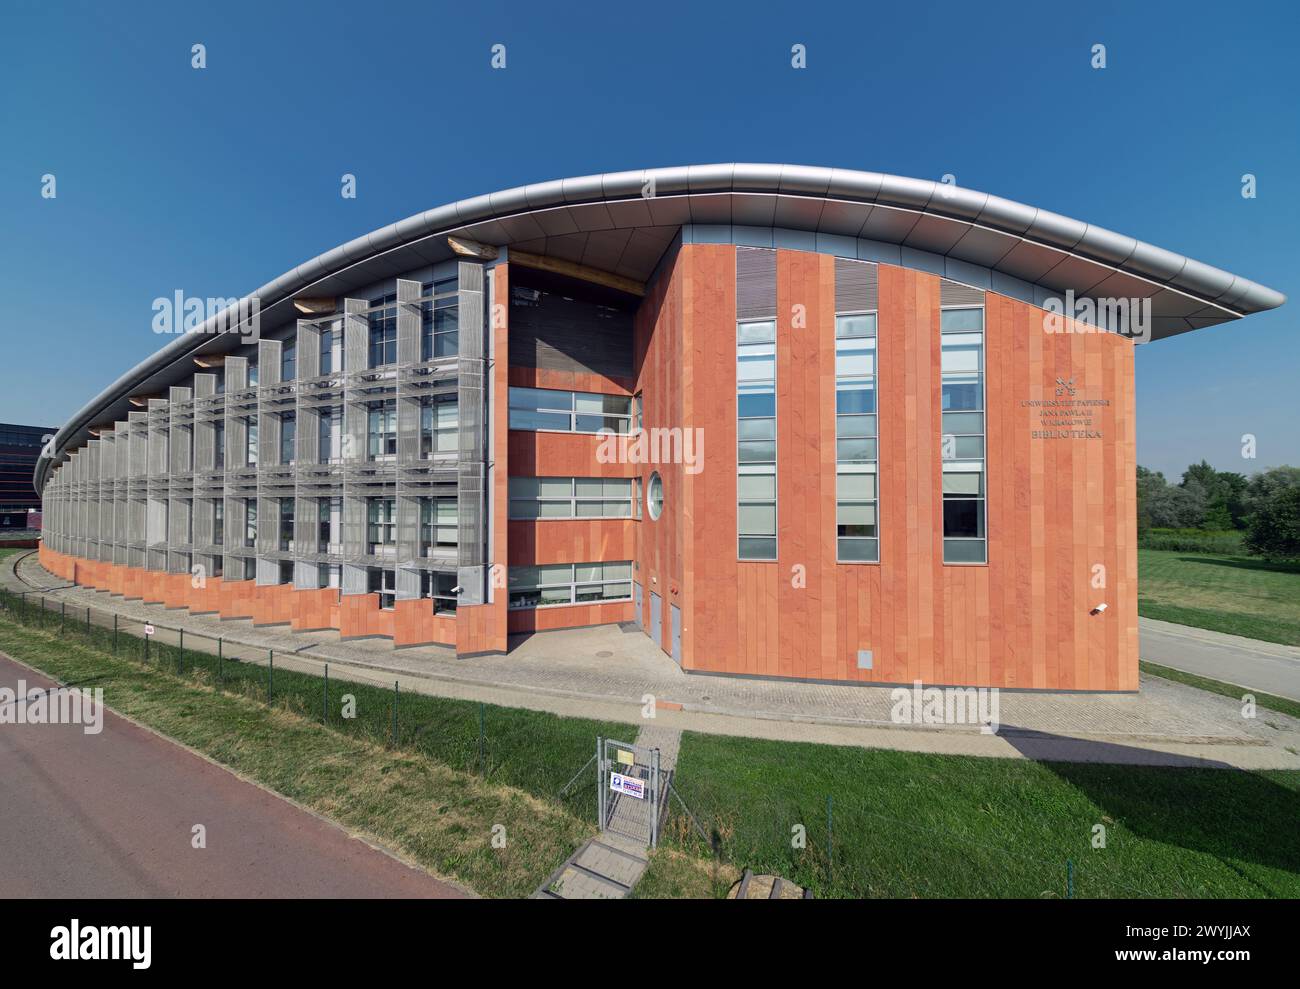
(383, 331)
(856, 494)
(440, 320)
(756, 439)
(439, 427)
(250, 522)
(286, 524)
(962, 441)
(289, 361)
(381, 526)
(288, 436)
(382, 432)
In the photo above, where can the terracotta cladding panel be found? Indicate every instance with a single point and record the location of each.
(1056, 508)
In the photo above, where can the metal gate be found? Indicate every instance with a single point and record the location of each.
(629, 790)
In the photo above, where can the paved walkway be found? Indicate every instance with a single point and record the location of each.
(1268, 667)
(607, 673)
(112, 815)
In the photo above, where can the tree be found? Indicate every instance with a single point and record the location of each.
(1150, 483)
(1177, 507)
(1273, 529)
(1262, 486)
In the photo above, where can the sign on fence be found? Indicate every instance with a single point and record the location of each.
(148, 630)
(629, 785)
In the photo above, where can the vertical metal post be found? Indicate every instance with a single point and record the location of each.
(600, 782)
(63, 616)
(115, 633)
(654, 807)
(325, 697)
(1069, 879)
(270, 673)
(87, 622)
(180, 657)
(146, 649)
(394, 714)
(221, 671)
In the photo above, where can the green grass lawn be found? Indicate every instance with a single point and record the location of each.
(1235, 594)
(432, 796)
(916, 825)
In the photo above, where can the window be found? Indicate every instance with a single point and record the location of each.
(219, 445)
(755, 440)
(569, 412)
(655, 499)
(438, 526)
(569, 583)
(571, 498)
(286, 571)
(382, 429)
(383, 331)
(329, 525)
(288, 360)
(218, 522)
(251, 450)
(381, 526)
(250, 522)
(252, 373)
(439, 427)
(331, 350)
(438, 586)
(330, 435)
(286, 524)
(383, 583)
(962, 444)
(440, 320)
(857, 500)
(288, 436)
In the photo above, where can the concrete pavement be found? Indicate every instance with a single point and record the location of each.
(1268, 667)
(111, 815)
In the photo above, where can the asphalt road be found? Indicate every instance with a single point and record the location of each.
(110, 815)
(1264, 666)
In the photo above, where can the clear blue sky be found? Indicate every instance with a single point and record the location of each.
(215, 181)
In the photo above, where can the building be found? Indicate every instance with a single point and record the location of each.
(792, 421)
(20, 447)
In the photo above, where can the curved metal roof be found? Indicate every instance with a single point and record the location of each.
(624, 221)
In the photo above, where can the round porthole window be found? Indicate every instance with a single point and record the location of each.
(654, 496)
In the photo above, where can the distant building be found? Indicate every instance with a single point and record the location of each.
(20, 448)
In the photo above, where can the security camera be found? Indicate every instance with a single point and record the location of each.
(1099, 609)
(457, 589)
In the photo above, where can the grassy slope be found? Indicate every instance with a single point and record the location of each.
(435, 814)
(906, 824)
(1235, 594)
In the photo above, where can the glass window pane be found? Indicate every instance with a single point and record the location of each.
(756, 487)
(594, 424)
(621, 570)
(756, 451)
(855, 449)
(756, 429)
(589, 487)
(859, 550)
(962, 392)
(757, 548)
(524, 487)
(584, 573)
(856, 486)
(521, 419)
(756, 403)
(964, 448)
(556, 509)
(763, 332)
(615, 404)
(591, 509)
(756, 519)
(846, 426)
(855, 326)
(963, 358)
(618, 487)
(525, 509)
(961, 319)
(855, 396)
(963, 517)
(856, 513)
(556, 595)
(756, 368)
(964, 551)
(969, 483)
(963, 422)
